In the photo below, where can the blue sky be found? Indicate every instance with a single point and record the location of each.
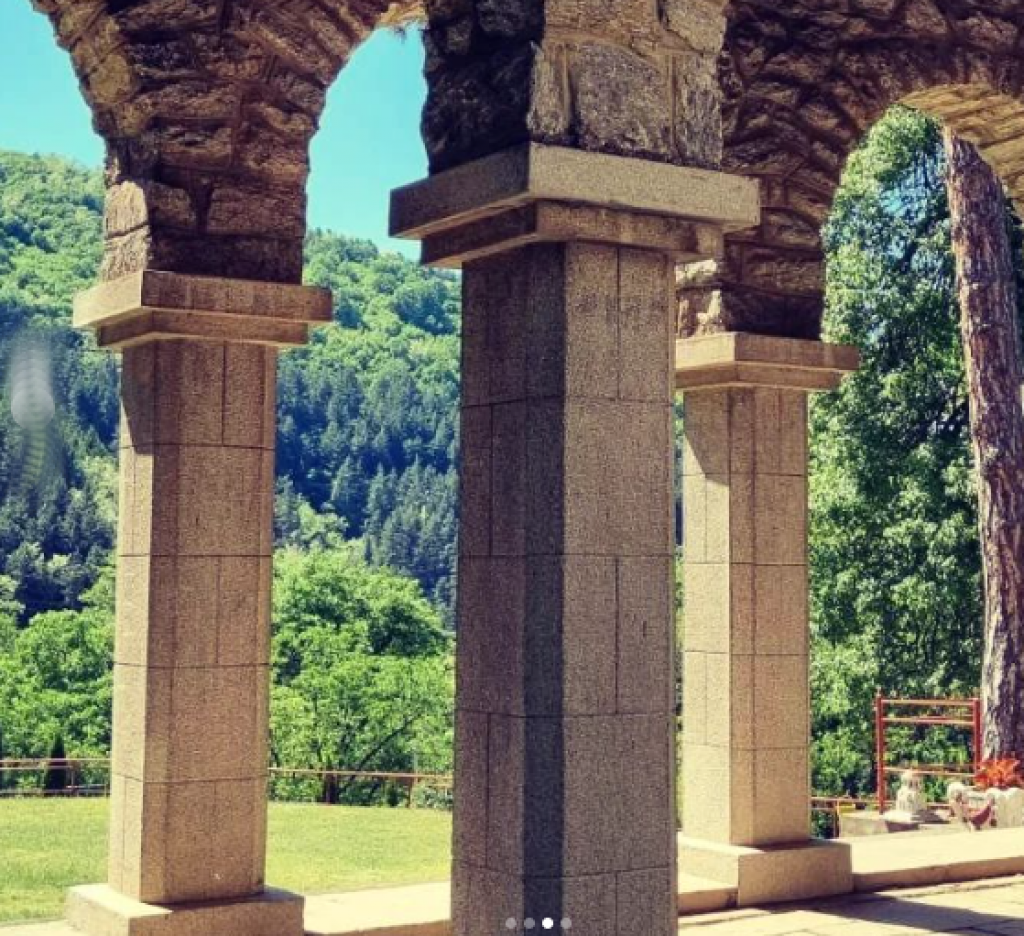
(369, 140)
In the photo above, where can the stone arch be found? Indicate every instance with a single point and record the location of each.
(207, 108)
(802, 83)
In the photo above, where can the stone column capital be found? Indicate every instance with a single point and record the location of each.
(535, 194)
(738, 359)
(153, 305)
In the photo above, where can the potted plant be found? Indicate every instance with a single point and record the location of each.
(995, 801)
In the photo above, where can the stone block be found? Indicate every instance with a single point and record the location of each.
(646, 630)
(213, 734)
(745, 359)
(243, 611)
(141, 722)
(548, 314)
(98, 910)
(527, 173)
(211, 849)
(476, 305)
(780, 598)
(635, 120)
(743, 430)
(706, 611)
(697, 110)
(779, 712)
(793, 432)
(592, 321)
(646, 364)
(767, 431)
(603, 514)
(509, 483)
(484, 900)
(475, 482)
(207, 501)
(772, 874)
(606, 830)
(700, 23)
(721, 495)
(188, 393)
(742, 609)
(136, 499)
(609, 17)
(569, 653)
(507, 297)
(551, 222)
(707, 436)
(557, 805)
(744, 492)
(695, 698)
(780, 517)
(694, 518)
(241, 305)
(470, 818)
(138, 396)
(782, 793)
(646, 903)
(250, 396)
(718, 795)
(189, 723)
(732, 696)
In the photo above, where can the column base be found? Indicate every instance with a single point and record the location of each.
(772, 873)
(99, 910)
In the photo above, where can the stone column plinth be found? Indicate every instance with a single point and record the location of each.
(746, 718)
(564, 787)
(191, 672)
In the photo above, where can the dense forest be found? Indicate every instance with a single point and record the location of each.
(366, 512)
(366, 414)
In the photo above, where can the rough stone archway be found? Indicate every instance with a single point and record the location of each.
(803, 82)
(207, 108)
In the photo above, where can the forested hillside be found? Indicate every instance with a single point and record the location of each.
(367, 430)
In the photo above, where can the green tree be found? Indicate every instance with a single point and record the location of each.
(363, 674)
(896, 588)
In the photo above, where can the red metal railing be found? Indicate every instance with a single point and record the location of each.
(964, 714)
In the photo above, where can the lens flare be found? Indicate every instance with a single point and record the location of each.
(32, 405)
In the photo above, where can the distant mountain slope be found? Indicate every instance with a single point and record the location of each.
(367, 414)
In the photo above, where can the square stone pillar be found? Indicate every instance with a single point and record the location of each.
(565, 727)
(746, 704)
(192, 646)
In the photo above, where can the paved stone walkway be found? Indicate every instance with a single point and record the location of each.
(993, 908)
(990, 908)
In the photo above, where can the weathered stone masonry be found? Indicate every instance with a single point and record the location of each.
(803, 81)
(208, 107)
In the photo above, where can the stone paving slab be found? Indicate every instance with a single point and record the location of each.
(918, 860)
(993, 908)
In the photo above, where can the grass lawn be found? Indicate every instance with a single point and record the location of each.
(48, 845)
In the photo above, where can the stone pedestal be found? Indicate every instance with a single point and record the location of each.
(746, 714)
(564, 786)
(191, 657)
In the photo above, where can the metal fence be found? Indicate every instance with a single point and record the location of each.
(75, 777)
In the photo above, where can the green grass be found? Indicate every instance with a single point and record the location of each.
(47, 846)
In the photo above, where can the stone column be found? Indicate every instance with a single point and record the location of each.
(191, 674)
(746, 719)
(564, 786)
